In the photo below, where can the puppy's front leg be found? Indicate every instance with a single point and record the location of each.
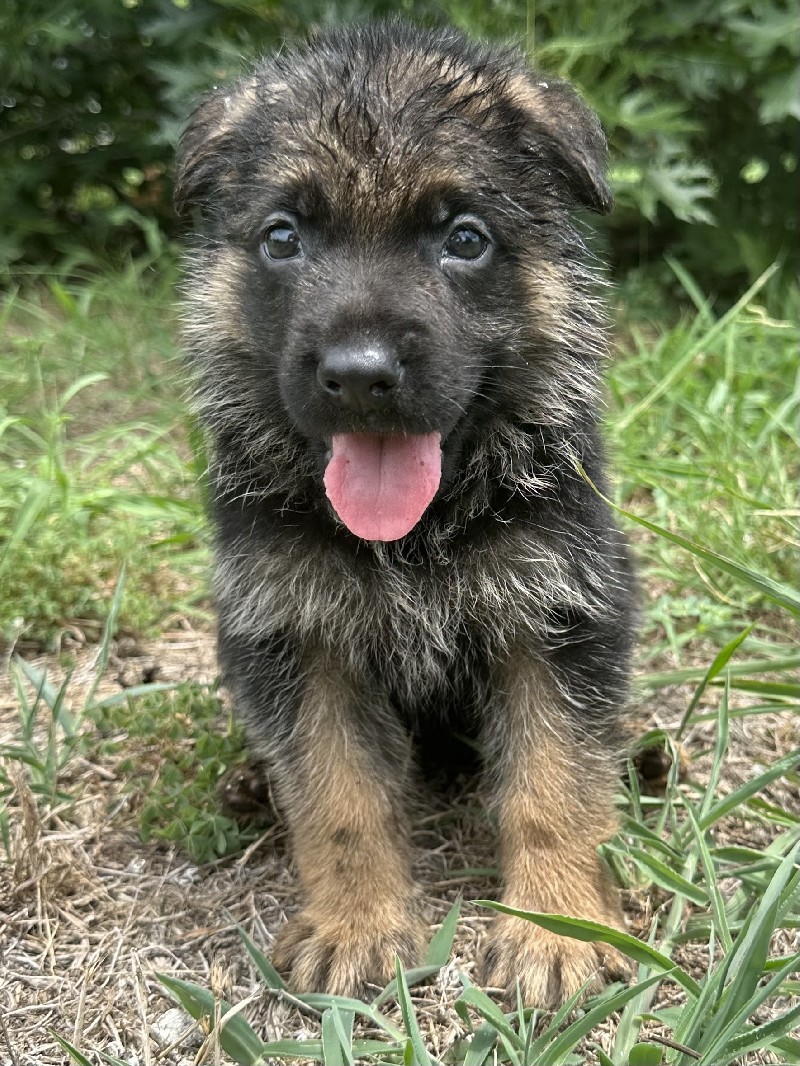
(341, 782)
(555, 805)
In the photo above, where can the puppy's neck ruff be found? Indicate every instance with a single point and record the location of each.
(380, 485)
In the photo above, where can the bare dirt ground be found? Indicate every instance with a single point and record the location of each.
(89, 914)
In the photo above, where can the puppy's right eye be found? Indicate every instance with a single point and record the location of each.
(465, 242)
(281, 241)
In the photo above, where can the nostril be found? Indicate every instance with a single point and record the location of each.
(380, 388)
(331, 386)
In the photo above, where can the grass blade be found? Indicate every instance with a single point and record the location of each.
(607, 1005)
(776, 591)
(684, 360)
(481, 1043)
(743, 966)
(343, 1025)
(296, 1050)
(321, 1001)
(717, 902)
(237, 1038)
(421, 1056)
(758, 1037)
(665, 878)
(490, 1012)
(109, 629)
(271, 977)
(74, 1054)
(776, 690)
(720, 748)
(666, 678)
(733, 1034)
(36, 500)
(720, 662)
(415, 976)
(749, 788)
(133, 692)
(545, 1038)
(638, 831)
(331, 1049)
(580, 929)
(336, 1047)
(38, 678)
(442, 941)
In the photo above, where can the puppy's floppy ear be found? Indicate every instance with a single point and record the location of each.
(554, 111)
(209, 146)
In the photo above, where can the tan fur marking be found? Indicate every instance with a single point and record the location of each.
(530, 96)
(214, 305)
(555, 806)
(351, 854)
(461, 79)
(550, 295)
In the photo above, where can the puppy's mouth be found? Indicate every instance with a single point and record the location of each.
(381, 484)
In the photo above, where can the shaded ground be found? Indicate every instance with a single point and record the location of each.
(89, 914)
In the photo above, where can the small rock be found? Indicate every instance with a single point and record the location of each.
(173, 1024)
(188, 875)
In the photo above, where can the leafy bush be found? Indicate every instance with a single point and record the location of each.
(701, 104)
(90, 104)
(700, 100)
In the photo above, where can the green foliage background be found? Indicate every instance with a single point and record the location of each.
(699, 97)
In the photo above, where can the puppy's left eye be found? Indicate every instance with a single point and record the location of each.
(281, 241)
(465, 242)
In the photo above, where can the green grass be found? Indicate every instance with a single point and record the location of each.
(96, 472)
(713, 1027)
(94, 463)
(703, 424)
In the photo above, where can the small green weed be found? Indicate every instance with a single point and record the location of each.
(46, 748)
(178, 744)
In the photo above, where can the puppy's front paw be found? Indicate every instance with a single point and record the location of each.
(549, 968)
(344, 956)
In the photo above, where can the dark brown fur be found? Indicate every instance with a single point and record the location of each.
(506, 614)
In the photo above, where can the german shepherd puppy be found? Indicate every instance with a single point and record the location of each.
(396, 336)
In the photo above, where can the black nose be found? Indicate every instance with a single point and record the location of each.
(360, 377)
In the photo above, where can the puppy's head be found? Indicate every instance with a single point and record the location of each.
(389, 263)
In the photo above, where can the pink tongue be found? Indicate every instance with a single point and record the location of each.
(380, 485)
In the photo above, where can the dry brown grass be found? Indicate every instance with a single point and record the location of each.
(89, 914)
